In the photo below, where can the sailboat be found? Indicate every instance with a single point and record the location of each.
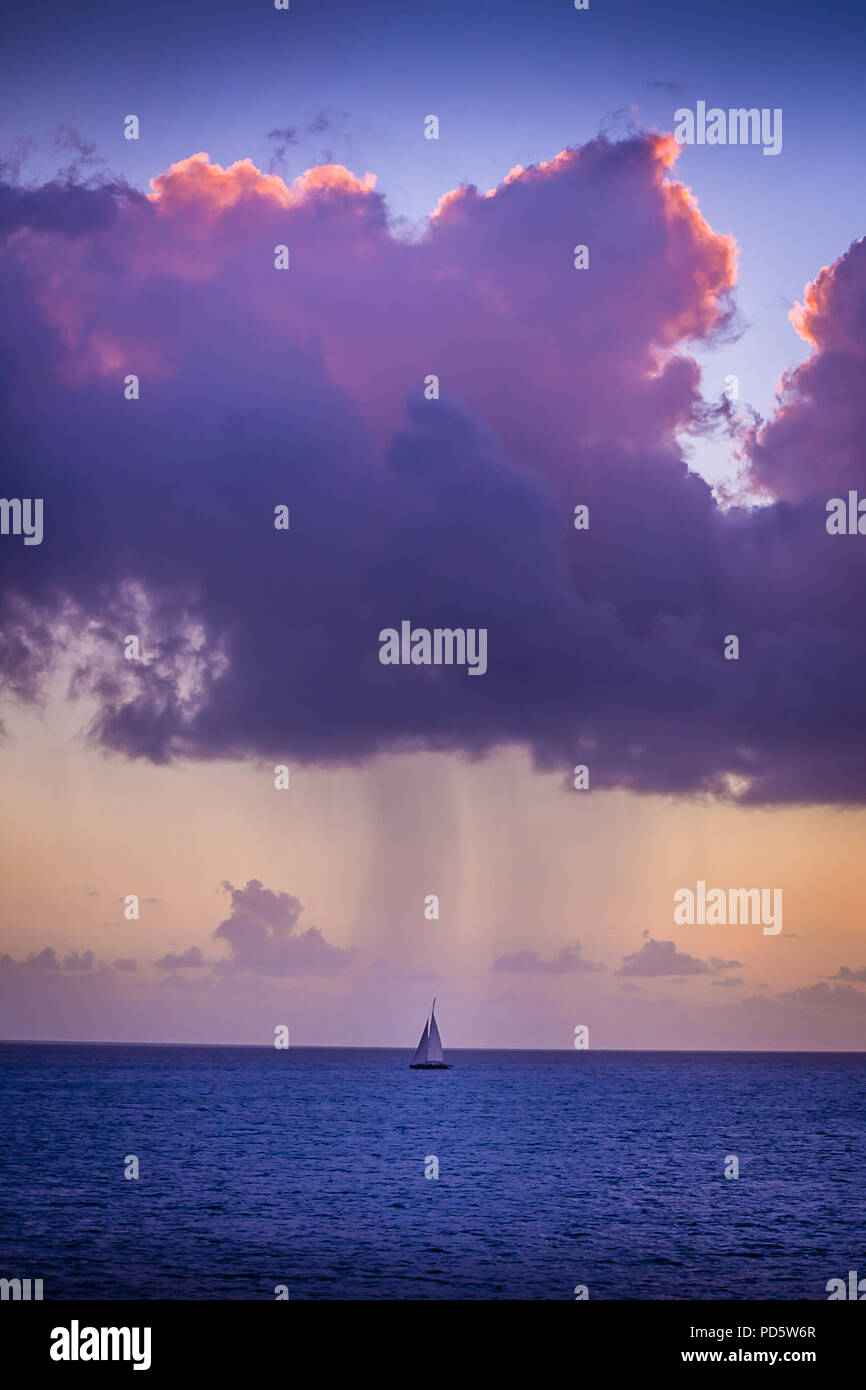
(428, 1053)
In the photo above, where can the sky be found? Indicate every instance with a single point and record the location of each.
(305, 388)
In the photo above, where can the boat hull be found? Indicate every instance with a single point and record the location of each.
(429, 1066)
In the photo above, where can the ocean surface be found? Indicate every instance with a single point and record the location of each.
(306, 1168)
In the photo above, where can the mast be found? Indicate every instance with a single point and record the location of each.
(434, 1042)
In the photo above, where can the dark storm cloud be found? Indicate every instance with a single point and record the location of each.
(305, 388)
(62, 208)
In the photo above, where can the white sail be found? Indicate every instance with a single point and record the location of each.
(421, 1049)
(434, 1042)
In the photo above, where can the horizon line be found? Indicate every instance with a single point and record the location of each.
(380, 1047)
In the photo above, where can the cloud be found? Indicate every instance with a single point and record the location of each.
(845, 973)
(189, 959)
(822, 996)
(717, 964)
(568, 962)
(728, 981)
(125, 963)
(657, 958)
(282, 138)
(59, 208)
(79, 960)
(813, 447)
(306, 136)
(262, 934)
(84, 159)
(43, 960)
(305, 388)
(46, 962)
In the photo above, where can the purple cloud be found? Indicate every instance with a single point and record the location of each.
(186, 960)
(567, 962)
(42, 960)
(79, 960)
(657, 958)
(46, 962)
(262, 934)
(852, 976)
(305, 389)
(824, 996)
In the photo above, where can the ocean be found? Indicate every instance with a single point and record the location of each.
(304, 1171)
